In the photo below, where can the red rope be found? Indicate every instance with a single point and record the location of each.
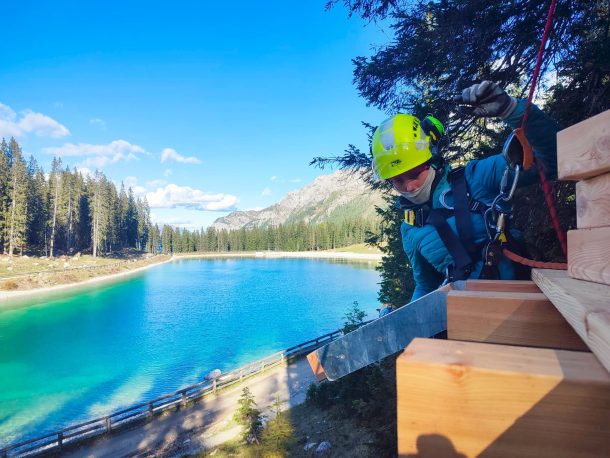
(546, 186)
(536, 264)
(545, 35)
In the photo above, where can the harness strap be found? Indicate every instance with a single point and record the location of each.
(457, 180)
(461, 258)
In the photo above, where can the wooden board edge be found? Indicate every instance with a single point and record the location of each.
(316, 366)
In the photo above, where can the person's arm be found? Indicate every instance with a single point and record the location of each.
(426, 277)
(541, 132)
(487, 99)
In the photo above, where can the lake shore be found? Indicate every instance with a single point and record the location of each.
(347, 255)
(6, 296)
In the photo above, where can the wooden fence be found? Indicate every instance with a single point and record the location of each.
(54, 442)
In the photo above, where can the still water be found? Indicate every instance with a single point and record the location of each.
(73, 357)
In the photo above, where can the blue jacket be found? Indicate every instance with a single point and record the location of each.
(428, 255)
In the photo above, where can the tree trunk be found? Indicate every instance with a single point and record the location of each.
(11, 235)
(69, 221)
(54, 218)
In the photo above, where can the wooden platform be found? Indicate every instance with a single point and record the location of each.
(544, 392)
(465, 399)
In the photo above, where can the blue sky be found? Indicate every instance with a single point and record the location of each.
(202, 107)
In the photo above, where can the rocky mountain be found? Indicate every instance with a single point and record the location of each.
(329, 198)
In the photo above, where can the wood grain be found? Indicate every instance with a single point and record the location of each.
(527, 319)
(583, 150)
(593, 202)
(524, 286)
(465, 399)
(589, 254)
(583, 304)
(316, 366)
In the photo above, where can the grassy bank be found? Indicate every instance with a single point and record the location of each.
(25, 273)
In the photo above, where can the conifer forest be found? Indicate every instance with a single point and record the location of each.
(63, 212)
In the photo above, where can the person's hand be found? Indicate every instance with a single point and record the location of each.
(486, 99)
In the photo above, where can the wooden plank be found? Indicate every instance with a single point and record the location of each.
(583, 150)
(583, 304)
(316, 367)
(470, 399)
(589, 254)
(593, 202)
(528, 319)
(523, 286)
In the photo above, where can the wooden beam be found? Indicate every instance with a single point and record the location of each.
(458, 399)
(316, 367)
(528, 319)
(583, 150)
(583, 304)
(589, 254)
(593, 202)
(523, 286)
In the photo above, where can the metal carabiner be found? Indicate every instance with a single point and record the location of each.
(443, 201)
(514, 185)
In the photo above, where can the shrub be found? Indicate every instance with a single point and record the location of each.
(9, 285)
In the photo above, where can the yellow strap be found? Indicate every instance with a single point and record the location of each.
(410, 217)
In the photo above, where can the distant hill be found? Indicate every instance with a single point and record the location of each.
(329, 198)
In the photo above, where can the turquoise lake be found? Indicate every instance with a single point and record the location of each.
(73, 357)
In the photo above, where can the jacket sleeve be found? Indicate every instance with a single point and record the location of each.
(426, 277)
(541, 132)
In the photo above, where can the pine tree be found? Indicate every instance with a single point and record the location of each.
(279, 432)
(5, 171)
(143, 224)
(55, 191)
(249, 417)
(18, 190)
(37, 201)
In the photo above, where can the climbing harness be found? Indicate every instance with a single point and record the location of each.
(460, 246)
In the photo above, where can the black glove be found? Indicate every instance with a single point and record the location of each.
(486, 99)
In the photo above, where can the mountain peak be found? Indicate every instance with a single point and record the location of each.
(328, 198)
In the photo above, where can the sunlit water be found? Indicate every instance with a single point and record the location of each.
(86, 354)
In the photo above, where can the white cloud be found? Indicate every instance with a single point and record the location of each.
(98, 122)
(266, 192)
(86, 172)
(132, 182)
(167, 172)
(176, 222)
(12, 125)
(296, 180)
(98, 155)
(173, 196)
(273, 178)
(171, 154)
(156, 183)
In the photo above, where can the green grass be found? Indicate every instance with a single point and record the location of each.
(359, 248)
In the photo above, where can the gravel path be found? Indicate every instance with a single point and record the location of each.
(206, 423)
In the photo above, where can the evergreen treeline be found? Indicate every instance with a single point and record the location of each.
(65, 212)
(285, 237)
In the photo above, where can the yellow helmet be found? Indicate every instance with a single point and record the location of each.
(399, 145)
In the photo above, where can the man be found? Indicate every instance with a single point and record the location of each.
(447, 227)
